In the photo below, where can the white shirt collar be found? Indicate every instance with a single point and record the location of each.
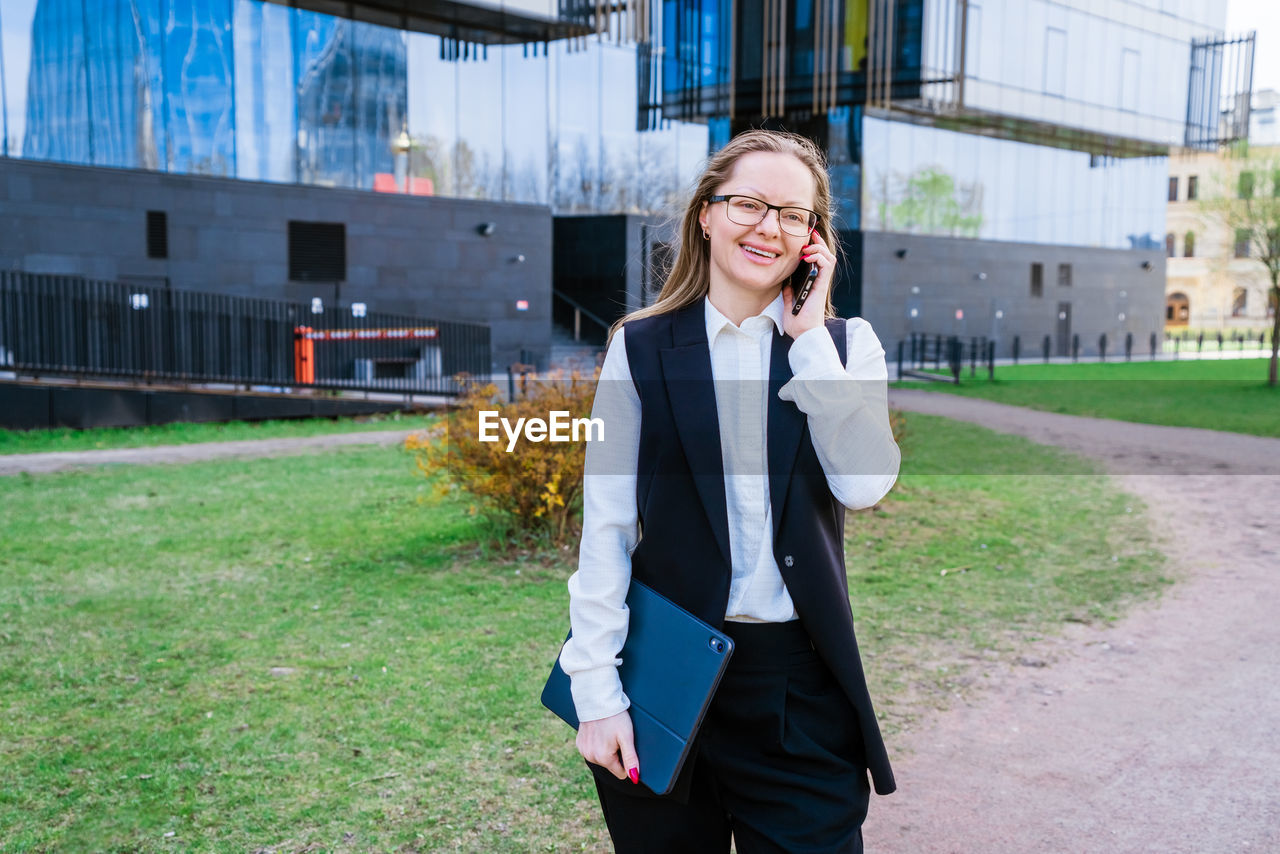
(717, 321)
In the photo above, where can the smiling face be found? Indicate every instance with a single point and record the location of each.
(741, 266)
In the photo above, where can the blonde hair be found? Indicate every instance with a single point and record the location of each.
(690, 275)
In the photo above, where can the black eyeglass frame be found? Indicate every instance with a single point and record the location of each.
(768, 207)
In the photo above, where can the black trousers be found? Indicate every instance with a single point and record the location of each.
(778, 764)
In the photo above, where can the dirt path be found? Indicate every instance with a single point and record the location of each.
(1155, 734)
(11, 464)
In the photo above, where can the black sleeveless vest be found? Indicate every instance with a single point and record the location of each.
(683, 551)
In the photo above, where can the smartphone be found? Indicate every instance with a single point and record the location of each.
(801, 287)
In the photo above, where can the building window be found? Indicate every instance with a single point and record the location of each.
(1189, 245)
(1170, 246)
(1055, 62)
(1245, 188)
(1037, 279)
(1177, 309)
(1239, 300)
(1064, 275)
(1193, 188)
(1129, 81)
(973, 34)
(317, 251)
(1242, 243)
(157, 234)
(1173, 189)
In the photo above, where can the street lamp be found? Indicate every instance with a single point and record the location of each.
(400, 148)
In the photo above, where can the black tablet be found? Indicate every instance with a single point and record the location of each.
(671, 664)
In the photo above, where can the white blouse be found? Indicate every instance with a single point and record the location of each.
(848, 415)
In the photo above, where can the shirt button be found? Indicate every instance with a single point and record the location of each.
(789, 560)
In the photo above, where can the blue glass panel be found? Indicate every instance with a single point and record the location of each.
(266, 118)
(116, 89)
(671, 56)
(709, 40)
(198, 63)
(325, 99)
(151, 115)
(844, 125)
(380, 93)
(718, 132)
(16, 17)
(57, 116)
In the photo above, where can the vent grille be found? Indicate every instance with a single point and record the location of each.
(157, 234)
(317, 251)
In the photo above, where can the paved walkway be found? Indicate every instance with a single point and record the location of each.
(61, 460)
(1155, 734)
(1124, 447)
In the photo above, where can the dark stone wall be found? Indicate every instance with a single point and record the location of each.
(939, 276)
(422, 256)
(40, 406)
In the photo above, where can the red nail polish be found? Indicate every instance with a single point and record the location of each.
(634, 774)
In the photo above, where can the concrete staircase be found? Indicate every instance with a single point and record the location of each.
(567, 354)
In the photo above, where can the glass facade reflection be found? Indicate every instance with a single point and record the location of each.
(925, 180)
(261, 91)
(1119, 68)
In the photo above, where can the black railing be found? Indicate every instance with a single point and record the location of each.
(573, 313)
(65, 325)
(916, 353)
(1238, 340)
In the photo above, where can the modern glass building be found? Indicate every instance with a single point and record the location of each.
(267, 91)
(974, 144)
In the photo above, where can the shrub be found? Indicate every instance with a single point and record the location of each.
(898, 424)
(533, 491)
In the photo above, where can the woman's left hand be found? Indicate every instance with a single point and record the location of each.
(814, 311)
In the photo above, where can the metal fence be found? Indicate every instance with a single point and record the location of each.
(67, 325)
(915, 354)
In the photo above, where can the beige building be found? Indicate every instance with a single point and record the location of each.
(1210, 282)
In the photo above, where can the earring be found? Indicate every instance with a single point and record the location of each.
(706, 235)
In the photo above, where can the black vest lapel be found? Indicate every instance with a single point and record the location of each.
(786, 427)
(686, 367)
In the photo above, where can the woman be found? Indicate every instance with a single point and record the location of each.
(736, 433)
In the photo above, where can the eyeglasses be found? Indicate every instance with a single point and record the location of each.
(747, 210)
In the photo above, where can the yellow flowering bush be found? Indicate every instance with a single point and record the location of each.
(536, 487)
(534, 490)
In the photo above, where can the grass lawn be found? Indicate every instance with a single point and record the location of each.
(306, 653)
(1227, 394)
(65, 439)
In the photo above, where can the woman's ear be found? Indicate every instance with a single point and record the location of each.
(702, 216)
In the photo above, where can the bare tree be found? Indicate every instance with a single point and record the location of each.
(577, 179)
(1248, 204)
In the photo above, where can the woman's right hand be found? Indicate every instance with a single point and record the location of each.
(610, 743)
